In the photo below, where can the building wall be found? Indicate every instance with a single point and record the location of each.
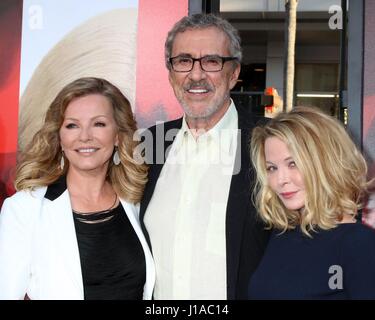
(272, 54)
(369, 102)
(369, 83)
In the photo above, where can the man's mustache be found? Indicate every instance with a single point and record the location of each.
(198, 85)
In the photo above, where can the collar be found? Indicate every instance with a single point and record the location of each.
(223, 134)
(56, 189)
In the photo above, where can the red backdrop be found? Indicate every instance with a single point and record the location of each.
(154, 97)
(10, 44)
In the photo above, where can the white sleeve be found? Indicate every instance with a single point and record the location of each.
(16, 231)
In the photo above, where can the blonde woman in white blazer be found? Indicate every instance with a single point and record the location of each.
(72, 229)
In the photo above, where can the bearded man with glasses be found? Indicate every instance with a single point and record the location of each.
(196, 211)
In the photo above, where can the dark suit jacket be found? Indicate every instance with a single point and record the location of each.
(245, 235)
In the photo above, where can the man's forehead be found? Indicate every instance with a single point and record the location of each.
(200, 30)
(210, 40)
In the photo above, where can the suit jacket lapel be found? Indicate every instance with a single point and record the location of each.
(158, 143)
(239, 194)
(239, 199)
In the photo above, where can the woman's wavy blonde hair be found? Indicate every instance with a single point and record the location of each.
(333, 169)
(40, 162)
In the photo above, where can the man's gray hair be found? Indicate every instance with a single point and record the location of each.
(204, 21)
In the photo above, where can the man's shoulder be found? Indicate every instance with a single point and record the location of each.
(248, 119)
(157, 139)
(260, 120)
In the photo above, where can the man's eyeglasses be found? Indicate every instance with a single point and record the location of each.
(212, 63)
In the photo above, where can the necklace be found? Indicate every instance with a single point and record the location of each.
(97, 213)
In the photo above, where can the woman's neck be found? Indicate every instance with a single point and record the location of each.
(348, 218)
(89, 192)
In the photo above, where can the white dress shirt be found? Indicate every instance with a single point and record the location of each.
(186, 216)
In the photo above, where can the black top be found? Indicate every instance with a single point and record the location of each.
(112, 258)
(334, 264)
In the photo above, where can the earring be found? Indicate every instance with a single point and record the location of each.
(116, 157)
(62, 161)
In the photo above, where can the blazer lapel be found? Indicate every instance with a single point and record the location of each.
(131, 211)
(64, 236)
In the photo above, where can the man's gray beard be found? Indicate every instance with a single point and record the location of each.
(208, 112)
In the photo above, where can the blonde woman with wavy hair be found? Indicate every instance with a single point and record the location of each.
(311, 184)
(72, 230)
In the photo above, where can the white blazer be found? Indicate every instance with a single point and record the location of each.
(39, 251)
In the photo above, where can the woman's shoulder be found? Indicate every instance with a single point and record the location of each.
(357, 229)
(358, 237)
(21, 208)
(358, 261)
(24, 198)
(28, 194)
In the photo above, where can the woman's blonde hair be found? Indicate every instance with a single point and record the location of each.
(333, 169)
(40, 162)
